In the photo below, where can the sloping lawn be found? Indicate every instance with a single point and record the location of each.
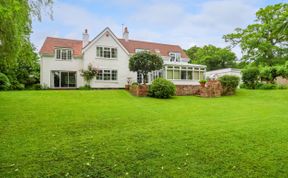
(109, 133)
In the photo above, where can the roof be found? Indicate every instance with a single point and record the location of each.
(225, 70)
(164, 49)
(51, 43)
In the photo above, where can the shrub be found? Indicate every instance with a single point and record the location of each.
(229, 84)
(17, 86)
(135, 83)
(37, 86)
(85, 87)
(250, 77)
(161, 88)
(266, 86)
(4, 82)
(282, 87)
(202, 81)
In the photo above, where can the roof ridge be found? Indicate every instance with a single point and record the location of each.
(150, 42)
(64, 38)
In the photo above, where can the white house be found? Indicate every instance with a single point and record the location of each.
(63, 59)
(214, 74)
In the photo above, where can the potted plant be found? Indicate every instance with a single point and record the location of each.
(202, 83)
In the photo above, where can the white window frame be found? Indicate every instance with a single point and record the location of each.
(110, 73)
(61, 54)
(176, 56)
(187, 69)
(106, 49)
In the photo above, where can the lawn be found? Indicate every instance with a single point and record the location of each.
(109, 133)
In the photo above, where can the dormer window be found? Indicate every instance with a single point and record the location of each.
(174, 57)
(138, 50)
(63, 54)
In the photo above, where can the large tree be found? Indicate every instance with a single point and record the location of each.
(266, 41)
(212, 56)
(144, 62)
(15, 29)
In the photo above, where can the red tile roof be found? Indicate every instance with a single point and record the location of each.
(51, 43)
(164, 49)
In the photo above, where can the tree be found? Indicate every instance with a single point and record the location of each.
(89, 74)
(15, 29)
(212, 56)
(265, 41)
(144, 62)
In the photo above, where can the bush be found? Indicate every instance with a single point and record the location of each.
(4, 82)
(266, 86)
(282, 87)
(161, 88)
(85, 87)
(17, 86)
(229, 84)
(250, 77)
(135, 83)
(37, 86)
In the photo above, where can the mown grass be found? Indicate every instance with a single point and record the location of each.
(109, 133)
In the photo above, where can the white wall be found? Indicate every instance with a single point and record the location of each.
(49, 64)
(120, 64)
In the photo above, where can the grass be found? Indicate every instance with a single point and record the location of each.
(109, 133)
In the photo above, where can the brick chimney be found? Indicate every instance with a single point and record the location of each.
(85, 38)
(126, 34)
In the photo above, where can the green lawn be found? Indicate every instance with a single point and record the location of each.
(109, 133)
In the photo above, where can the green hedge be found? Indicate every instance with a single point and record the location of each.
(4, 82)
(229, 84)
(161, 88)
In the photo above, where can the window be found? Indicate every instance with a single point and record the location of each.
(175, 57)
(63, 54)
(114, 75)
(63, 79)
(106, 52)
(184, 73)
(139, 78)
(99, 75)
(107, 75)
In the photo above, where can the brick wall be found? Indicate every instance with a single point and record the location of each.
(183, 90)
(213, 88)
(139, 90)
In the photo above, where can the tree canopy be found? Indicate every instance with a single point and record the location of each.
(266, 41)
(144, 62)
(212, 56)
(17, 53)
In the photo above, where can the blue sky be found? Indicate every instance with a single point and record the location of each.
(183, 22)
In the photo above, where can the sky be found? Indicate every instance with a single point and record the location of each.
(183, 22)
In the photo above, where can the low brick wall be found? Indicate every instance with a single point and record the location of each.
(213, 88)
(184, 90)
(139, 90)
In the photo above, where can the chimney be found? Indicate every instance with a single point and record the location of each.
(85, 38)
(126, 34)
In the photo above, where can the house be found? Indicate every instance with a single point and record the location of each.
(63, 59)
(214, 74)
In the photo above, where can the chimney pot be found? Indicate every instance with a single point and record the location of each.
(126, 34)
(85, 38)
